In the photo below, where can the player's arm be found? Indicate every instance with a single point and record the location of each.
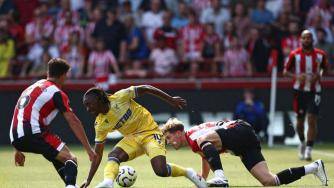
(323, 69)
(62, 103)
(95, 164)
(176, 101)
(288, 66)
(77, 128)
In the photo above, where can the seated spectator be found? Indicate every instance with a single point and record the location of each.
(181, 18)
(152, 20)
(327, 47)
(74, 54)
(217, 15)
(167, 31)
(99, 63)
(236, 60)
(126, 11)
(229, 33)
(163, 58)
(62, 14)
(211, 48)
(292, 41)
(260, 15)
(241, 21)
(7, 52)
(252, 111)
(136, 48)
(322, 8)
(94, 17)
(191, 43)
(38, 57)
(62, 32)
(316, 23)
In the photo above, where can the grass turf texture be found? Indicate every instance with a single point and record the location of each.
(38, 172)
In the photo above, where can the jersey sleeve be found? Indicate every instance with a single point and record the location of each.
(290, 62)
(100, 135)
(127, 94)
(61, 101)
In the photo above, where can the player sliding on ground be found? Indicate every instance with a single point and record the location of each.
(236, 137)
(141, 133)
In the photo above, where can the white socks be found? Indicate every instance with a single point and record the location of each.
(311, 168)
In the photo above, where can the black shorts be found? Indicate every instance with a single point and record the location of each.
(242, 141)
(306, 102)
(46, 144)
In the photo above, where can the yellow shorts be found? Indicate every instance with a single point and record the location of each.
(152, 144)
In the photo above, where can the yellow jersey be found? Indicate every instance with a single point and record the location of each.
(126, 116)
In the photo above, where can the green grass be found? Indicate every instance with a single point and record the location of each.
(37, 172)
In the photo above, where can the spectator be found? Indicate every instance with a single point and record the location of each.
(99, 63)
(200, 5)
(94, 17)
(236, 60)
(292, 41)
(151, 20)
(229, 33)
(111, 31)
(62, 32)
(260, 15)
(163, 58)
(252, 111)
(322, 8)
(181, 18)
(211, 48)
(327, 47)
(167, 31)
(74, 54)
(40, 26)
(25, 10)
(6, 7)
(62, 14)
(37, 57)
(217, 15)
(126, 11)
(241, 21)
(137, 49)
(191, 43)
(7, 52)
(317, 22)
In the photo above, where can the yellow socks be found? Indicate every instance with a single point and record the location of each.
(111, 170)
(176, 170)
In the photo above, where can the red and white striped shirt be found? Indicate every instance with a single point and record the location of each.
(306, 63)
(192, 37)
(291, 42)
(101, 62)
(37, 106)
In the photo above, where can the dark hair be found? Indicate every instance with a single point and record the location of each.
(57, 67)
(99, 94)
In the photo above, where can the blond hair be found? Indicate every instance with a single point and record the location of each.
(172, 125)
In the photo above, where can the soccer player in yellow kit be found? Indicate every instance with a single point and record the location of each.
(141, 133)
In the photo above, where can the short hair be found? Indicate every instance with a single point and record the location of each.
(172, 125)
(99, 94)
(57, 67)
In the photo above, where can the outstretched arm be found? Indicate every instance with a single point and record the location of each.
(95, 164)
(176, 101)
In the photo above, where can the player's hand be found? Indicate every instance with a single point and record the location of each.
(19, 158)
(178, 102)
(85, 184)
(92, 155)
(315, 77)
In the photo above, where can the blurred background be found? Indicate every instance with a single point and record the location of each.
(217, 54)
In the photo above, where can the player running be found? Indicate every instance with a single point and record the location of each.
(238, 138)
(141, 133)
(308, 64)
(37, 106)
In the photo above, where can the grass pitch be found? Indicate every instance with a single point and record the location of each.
(38, 172)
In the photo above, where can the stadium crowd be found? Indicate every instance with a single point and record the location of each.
(158, 38)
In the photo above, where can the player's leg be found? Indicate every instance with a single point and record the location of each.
(299, 107)
(211, 144)
(125, 150)
(69, 170)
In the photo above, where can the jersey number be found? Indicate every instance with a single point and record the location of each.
(157, 137)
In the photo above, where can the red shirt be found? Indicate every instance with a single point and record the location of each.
(37, 106)
(308, 63)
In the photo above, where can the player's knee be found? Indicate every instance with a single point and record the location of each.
(161, 172)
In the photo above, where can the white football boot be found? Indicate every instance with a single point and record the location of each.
(218, 182)
(105, 184)
(198, 180)
(321, 172)
(308, 153)
(301, 151)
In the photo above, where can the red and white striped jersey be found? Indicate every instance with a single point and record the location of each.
(201, 130)
(101, 62)
(192, 37)
(37, 106)
(306, 63)
(291, 42)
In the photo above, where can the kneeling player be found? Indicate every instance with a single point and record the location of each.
(236, 137)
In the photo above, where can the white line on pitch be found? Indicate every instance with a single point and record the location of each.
(327, 154)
